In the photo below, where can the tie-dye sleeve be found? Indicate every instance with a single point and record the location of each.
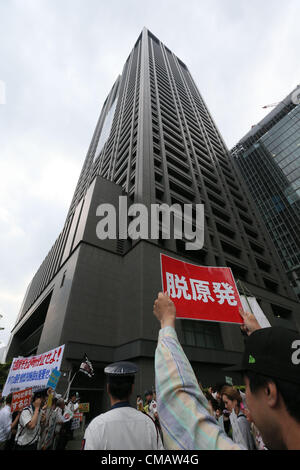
(182, 407)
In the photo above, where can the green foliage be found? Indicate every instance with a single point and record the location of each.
(4, 370)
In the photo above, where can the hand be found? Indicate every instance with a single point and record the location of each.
(37, 403)
(164, 310)
(250, 322)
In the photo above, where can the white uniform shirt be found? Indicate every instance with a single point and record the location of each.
(122, 428)
(24, 435)
(5, 423)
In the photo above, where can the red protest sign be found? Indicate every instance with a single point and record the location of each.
(21, 399)
(201, 292)
(78, 415)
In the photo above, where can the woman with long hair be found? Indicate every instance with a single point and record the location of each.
(241, 432)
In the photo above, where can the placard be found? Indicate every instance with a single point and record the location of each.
(21, 399)
(251, 305)
(76, 421)
(32, 372)
(53, 379)
(84, 407)
(201, 292)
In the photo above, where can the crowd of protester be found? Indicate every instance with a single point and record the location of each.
(183, 414)
(39, 426)
(266, 416)
(226, 404)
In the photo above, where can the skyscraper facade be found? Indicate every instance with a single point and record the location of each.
(269, 160)
(155, 142)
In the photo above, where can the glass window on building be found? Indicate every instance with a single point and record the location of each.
(106, 128)
(202, 334)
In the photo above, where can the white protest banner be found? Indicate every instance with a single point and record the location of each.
(77, 418)
(32, 372)
(251, 305)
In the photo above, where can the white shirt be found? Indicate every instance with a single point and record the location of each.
(24, 435)
(60, 419)
(73, 407)
(122, 428)
(5, 423)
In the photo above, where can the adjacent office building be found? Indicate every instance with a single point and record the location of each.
(269, 160)
(155, 142)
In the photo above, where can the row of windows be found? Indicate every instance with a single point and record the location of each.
(202, 334)
(267, 204)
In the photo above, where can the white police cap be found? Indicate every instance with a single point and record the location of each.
(121, 369)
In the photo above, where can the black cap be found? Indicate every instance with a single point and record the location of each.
(273, 352)
(121, 369)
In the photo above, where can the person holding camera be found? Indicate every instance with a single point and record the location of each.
(30, 421)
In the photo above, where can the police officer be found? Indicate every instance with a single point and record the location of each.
(122, 427)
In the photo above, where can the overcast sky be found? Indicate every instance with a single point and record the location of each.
(58, 61)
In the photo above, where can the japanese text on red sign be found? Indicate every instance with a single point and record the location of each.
(21, 400)
(198, 290)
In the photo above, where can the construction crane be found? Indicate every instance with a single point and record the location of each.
(270, 105)
(265, 107)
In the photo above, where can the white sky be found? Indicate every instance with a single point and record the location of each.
(59, 59)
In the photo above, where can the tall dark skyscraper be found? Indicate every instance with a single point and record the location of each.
(269, 160)
(155, 142)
